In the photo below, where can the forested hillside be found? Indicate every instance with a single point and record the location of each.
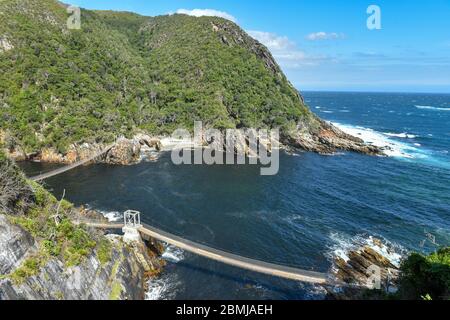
(121, 73)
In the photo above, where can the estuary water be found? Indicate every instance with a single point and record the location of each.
(315, 207)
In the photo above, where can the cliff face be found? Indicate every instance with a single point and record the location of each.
(121, 277)
(43, 255)
(122, 73)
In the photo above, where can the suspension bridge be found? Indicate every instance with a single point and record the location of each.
(58, 171)
(133, 227)
(135, 231)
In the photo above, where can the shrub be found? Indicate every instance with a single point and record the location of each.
(426, 277)
(78, 242)
(16, 196)
(29, 268)
(104, 251)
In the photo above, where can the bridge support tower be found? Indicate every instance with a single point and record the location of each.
(132, 222)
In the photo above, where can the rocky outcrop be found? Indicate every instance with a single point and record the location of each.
(366, 267)
(15, 245)
(324, 138)
(125, 152)
(47, 253)
(131, 151)
(122, 277)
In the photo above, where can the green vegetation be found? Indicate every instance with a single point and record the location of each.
(426, 277)
(116, 291)
(116, 287)
(63, 239)
(422, 277)
(16, 196)
(123, 72)
(47, 220)
(104, 251)
(30, 267)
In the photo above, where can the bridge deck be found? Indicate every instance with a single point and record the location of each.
(224, 257)
(235, 260)
(71, 166)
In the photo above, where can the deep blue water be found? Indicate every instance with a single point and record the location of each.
(312, 207)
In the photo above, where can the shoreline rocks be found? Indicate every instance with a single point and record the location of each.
(362, 269)
(325, 138)
(125, 152)
(320, 137)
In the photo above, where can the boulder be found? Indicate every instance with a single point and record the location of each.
(125, 152)
(50, 155)
(353, 275)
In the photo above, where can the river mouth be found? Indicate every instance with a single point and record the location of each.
(313, 209)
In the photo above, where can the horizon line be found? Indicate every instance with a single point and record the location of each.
(374, 91)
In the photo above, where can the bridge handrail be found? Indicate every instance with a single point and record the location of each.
(233, 259)
(219, 255)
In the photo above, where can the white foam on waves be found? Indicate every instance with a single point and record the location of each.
(342, 244)
(173, 254)
(165, 286)
(112, 216)
(432, 108)
(390, 147)
(400, 135)
(162, 288)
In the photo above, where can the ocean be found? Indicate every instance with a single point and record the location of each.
(314, 209)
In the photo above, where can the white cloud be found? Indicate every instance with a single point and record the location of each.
(285, 51)
(271, 40)
(291, 55)
(299, 59)
(207, 13)
(324, 36)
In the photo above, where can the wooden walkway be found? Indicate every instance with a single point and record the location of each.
(71, 166)
(221, 256)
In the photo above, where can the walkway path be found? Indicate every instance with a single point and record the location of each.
(221, 256)
(72, 166)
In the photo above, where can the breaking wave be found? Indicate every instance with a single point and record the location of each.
(400, 135)
(341, 244)
(390, 147)
(173, 254)
(432, 108)
(164, 287)
(112, 216)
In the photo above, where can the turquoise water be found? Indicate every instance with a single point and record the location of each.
(315, 206)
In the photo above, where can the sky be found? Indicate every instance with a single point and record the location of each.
(327, 45)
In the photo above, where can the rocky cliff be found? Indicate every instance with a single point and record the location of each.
(121, 277)
(43, 255)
